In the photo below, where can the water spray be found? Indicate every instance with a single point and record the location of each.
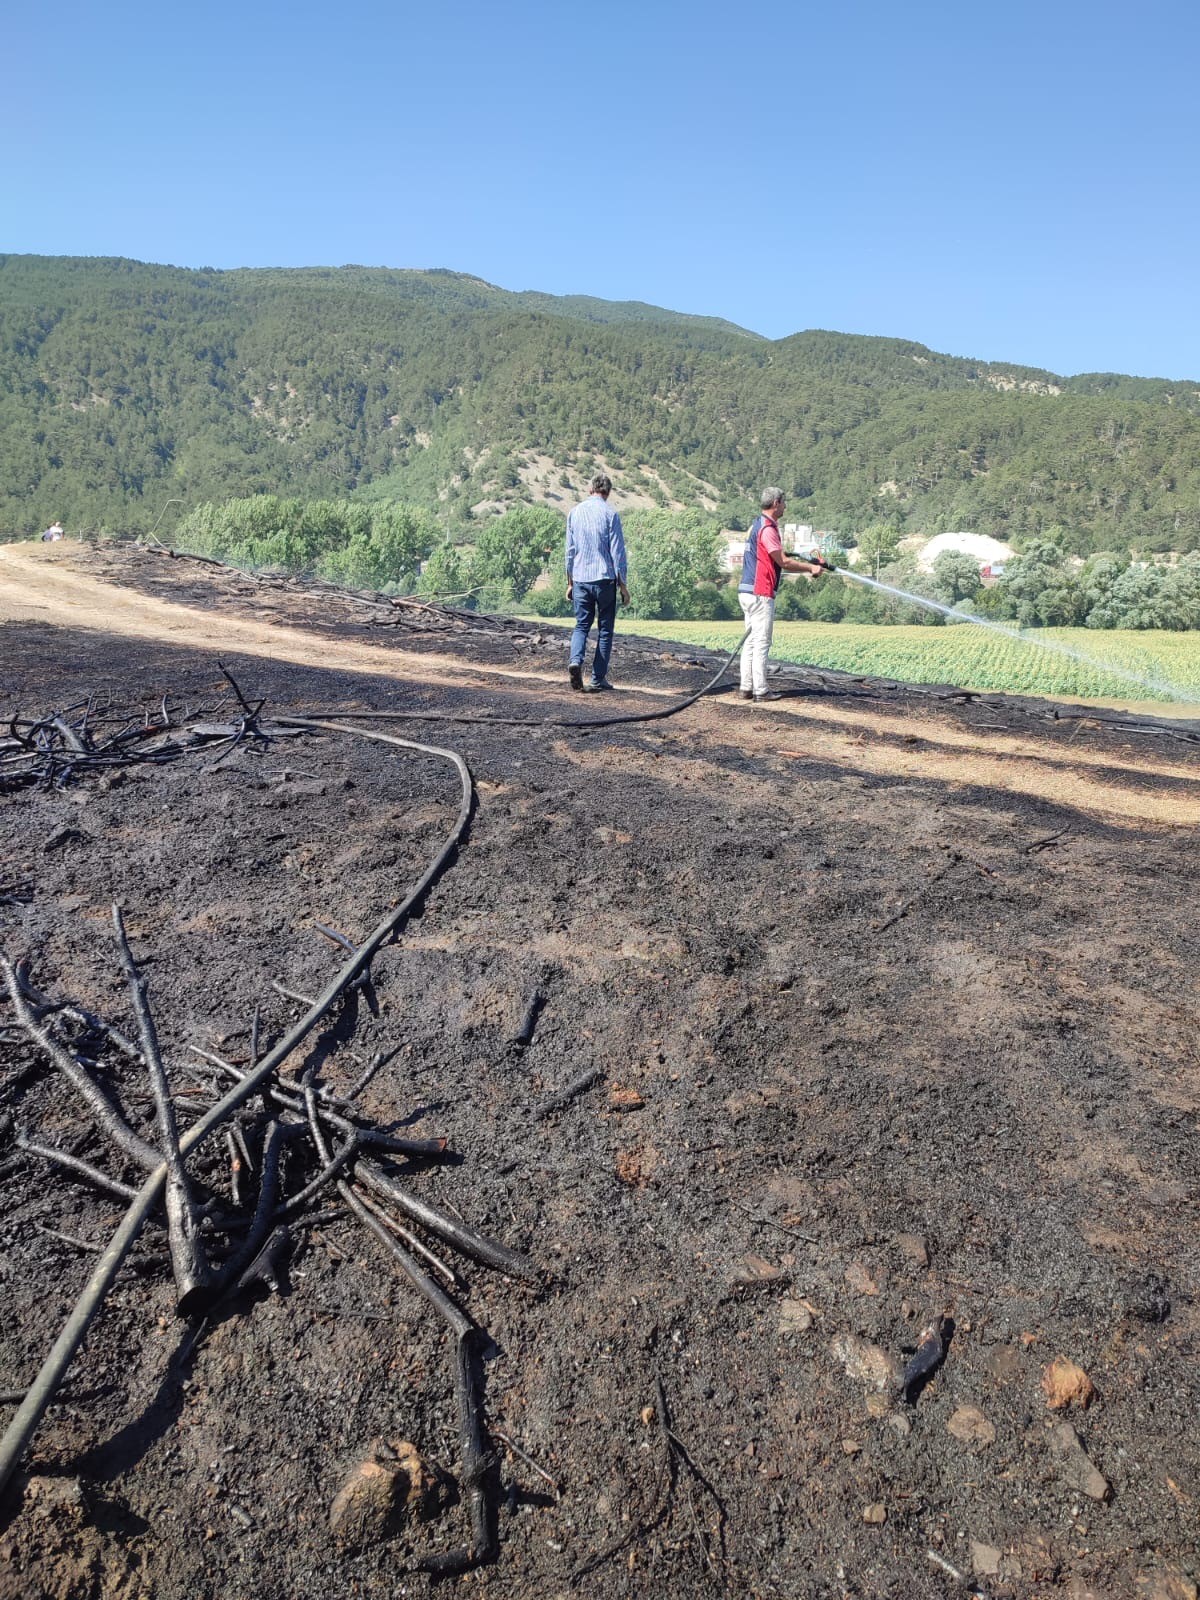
(1053, 645)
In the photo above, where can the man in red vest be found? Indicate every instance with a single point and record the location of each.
(762, 565)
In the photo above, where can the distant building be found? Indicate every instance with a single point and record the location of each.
(981, 547)
(817, 542)
(733, 548)
(799, 539)
(992, 573)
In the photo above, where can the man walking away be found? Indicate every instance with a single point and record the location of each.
(595, 571)
(762, 564)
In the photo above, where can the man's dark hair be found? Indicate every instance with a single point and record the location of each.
(601, 484)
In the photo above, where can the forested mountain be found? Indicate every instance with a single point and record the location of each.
(123, 386)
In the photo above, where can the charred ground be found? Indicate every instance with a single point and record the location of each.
(895, 1000)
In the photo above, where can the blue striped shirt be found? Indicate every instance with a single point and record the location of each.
(595, 543)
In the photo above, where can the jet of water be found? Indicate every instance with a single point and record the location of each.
(1156, 685)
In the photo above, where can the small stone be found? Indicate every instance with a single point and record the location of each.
(875, 1515)
(899, 1424)
(380, 1495)
(368, 1506)
(969, 1426)
(865, 1362)
(1076, 1469)
(913, 1248)
(647, 1416)
(60, 1498)
(850, 1447)
(794, 1317)
(1064, 1384)
(755, 1272)
(625, 1099)
(1147, 1298)
(860, 1279)
(985, 1559)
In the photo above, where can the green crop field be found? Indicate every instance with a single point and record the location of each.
(1069, 663)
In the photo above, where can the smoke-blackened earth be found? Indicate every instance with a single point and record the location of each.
(894, 997)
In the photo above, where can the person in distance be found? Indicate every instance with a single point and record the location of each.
(596, 570)
(762, 565)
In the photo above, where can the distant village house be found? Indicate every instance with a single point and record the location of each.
(799, 539)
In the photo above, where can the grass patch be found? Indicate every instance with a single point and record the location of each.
(1071, 663)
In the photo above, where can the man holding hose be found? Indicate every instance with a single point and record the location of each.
(762, 565)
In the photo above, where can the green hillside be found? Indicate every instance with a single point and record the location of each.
(124, 385)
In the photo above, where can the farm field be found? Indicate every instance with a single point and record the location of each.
(1079, 663)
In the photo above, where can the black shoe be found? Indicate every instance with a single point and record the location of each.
(576, 677)
(771, 694)
(746, 694)
(597, 686)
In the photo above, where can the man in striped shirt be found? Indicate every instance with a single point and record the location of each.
(596, 569)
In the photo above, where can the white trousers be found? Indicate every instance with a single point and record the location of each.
(759, 612)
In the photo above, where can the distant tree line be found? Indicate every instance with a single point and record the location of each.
(674, 567)
(1044, 587)
(382, 545)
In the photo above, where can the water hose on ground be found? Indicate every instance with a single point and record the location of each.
(550, 722)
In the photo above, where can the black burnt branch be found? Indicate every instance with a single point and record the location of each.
(193, 1274)
(234, 1206)
(83, 741)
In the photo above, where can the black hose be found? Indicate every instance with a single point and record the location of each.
(548, 722)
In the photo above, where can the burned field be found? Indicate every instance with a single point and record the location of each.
(865, 1016)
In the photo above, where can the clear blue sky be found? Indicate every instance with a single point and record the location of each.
(1007, 181)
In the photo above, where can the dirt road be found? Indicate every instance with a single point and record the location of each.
(894, 1003)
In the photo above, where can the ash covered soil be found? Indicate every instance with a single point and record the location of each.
(894, 999)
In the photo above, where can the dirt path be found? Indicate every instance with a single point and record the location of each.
(50, 584)
(45, 585)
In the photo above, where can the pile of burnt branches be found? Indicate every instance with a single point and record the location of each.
(293, 1146)
(298, 1152)
(92, 737)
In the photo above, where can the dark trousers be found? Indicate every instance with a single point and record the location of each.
(594, 601)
